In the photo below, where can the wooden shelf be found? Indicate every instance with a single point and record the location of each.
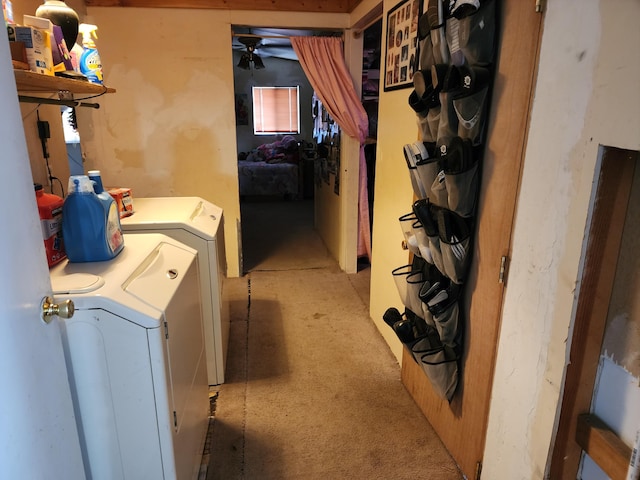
(31, 82)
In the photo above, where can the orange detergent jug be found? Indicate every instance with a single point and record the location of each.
(50, 210)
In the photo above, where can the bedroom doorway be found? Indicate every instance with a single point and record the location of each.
(275, 170)
(371, 48)
(319, 171)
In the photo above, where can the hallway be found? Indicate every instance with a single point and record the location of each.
(312, 390)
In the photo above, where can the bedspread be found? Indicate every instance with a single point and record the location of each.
(262, 178)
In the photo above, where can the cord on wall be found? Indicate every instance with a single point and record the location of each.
(44, 132)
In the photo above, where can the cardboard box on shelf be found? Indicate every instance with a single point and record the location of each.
(37, 44)
(59, 52)
(124, 200)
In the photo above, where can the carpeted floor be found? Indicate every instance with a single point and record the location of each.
(279, 235)
(312, 390)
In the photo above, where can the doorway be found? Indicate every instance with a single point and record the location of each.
(275, 170)
(372, 45)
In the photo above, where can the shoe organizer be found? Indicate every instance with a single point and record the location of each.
(450, 99)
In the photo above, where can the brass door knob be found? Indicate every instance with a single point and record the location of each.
(64, 309)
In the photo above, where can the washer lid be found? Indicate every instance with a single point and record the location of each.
(193, 214)
(76, 283)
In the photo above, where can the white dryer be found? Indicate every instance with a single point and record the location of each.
(136, 361)
(200, 225)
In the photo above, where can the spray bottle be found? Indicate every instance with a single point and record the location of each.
(90, 64)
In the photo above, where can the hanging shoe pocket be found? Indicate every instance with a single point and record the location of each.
(476, 34)
(441, 367)
(470, 111)
(468, 88)
(423, 242)
(439, 44)
(424, 211)
(441, 300)
(400, 275)
(435, 13)
(408, 327)
(447, 324)
(412, 156)
(460, 176)
(418, 106)
(425, 45)
(407, 222)
(438, 189)
(415, 282)
(448, 124)
(462, 191)
(427, 132)
(427, 168)
(455, 244)
(426, 343)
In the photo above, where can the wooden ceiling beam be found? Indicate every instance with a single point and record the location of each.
(312, 6)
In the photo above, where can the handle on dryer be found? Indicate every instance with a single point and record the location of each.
(64, 309)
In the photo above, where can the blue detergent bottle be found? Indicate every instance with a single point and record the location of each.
(90, 222)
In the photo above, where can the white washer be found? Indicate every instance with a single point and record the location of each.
(136, 361)
(200, 225)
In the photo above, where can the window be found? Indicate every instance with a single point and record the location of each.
(276, 110)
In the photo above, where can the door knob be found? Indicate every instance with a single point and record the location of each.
(64, 309)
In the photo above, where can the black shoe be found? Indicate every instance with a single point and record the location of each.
(391, 316)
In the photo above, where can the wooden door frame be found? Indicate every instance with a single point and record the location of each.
(600, 259)
(462, 424)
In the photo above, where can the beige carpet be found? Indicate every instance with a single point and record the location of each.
(312, 390)
(279, 235)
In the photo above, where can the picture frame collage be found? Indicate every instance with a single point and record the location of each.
(402, 44)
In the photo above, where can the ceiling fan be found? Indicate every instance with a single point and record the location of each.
(250, 56)
(266, 42)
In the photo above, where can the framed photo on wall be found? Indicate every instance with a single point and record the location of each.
(402, 44)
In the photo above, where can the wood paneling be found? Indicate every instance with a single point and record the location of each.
(605, 235)
(462, 424)
(318, 6)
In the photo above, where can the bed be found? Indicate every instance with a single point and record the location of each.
(271, 169)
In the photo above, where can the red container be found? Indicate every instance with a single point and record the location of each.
(50, 210)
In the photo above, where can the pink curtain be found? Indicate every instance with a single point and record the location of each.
(322, 59)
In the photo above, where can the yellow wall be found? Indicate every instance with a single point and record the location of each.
(170, 128)
(393, 198)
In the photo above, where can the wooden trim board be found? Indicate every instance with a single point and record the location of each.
(601, 257)
(605, 448)
(462, 424)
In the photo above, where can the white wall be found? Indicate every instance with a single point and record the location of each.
(586, 95)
